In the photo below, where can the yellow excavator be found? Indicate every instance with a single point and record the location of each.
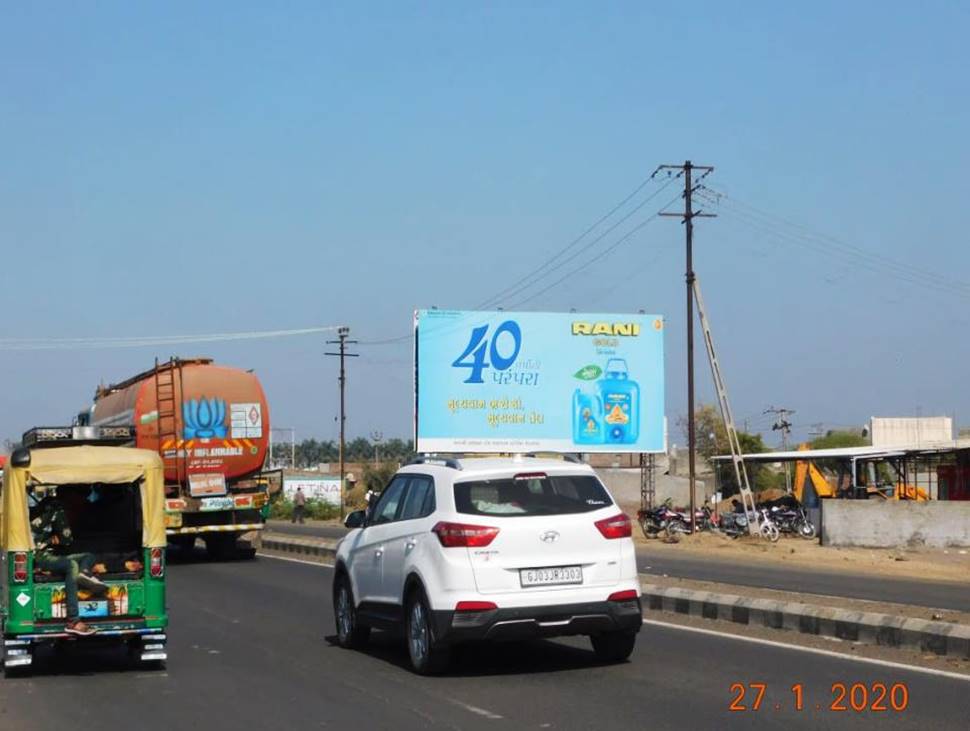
(810, 477)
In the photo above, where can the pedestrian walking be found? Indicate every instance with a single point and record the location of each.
(299, 506)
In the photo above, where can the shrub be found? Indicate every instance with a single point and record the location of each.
(282, 509)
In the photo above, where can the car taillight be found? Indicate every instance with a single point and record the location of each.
(618, 526)
(157, 566)
(454, 535)
(630, 595)
(20, 567)
(475, 606)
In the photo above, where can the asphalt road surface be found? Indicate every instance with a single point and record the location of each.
(249, 648)
(938, 594)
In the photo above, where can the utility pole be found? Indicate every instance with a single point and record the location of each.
(784, 426)
(343, 342)
(377, 437)
(687, 218)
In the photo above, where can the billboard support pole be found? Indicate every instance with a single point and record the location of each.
(343, 342)
(688, 217)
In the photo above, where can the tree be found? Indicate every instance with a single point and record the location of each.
(711, 436)
(310, 452)
(376, 478)
(835, 438)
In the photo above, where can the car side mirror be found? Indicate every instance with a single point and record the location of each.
(356, 519)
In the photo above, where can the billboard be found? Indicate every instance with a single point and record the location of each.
(324, 489)
(538, 381)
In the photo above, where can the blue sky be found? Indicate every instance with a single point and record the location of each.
(183, 169)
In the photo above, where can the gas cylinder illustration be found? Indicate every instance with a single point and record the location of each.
(621, 404)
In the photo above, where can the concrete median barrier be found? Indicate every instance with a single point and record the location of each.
(298, 546)
(941, 638)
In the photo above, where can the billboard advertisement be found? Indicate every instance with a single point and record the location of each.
(538, 381)
(324, 489)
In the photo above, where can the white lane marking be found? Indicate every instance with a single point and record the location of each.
(296, 560)
(814, 650)
(477, 710)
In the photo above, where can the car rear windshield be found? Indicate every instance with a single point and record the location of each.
(522, 496)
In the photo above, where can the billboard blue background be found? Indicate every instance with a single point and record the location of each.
(539, 381)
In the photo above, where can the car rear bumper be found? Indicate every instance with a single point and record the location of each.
(522, 623)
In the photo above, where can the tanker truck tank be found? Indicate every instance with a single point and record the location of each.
(210, 424)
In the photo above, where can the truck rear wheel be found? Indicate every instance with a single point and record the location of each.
(220, 546)
(183, 543)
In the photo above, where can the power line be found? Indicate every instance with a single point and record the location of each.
(579, 252)
(91, 343)
(851, 254)
(508, 291)
(597, 257)
(587, 264)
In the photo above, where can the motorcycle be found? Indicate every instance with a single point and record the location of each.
(734, 525)
(679, 521)
(790, 517)
(767, 527)
(653, 522)
(664, 519)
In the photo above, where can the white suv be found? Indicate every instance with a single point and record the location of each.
(489, 549)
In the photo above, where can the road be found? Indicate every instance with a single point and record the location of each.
(249, 648)
(937, 594)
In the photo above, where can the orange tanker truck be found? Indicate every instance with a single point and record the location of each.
(210, 424)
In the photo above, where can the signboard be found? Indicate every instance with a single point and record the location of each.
(207, 484)
(325, 489)
(246, 421)
(533, 381)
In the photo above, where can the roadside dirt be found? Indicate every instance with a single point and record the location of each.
(951, 564)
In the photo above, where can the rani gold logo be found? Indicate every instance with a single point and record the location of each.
(614, 329)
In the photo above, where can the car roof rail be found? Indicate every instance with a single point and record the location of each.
(436, 460)
(565, 456)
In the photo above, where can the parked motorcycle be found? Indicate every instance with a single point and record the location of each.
(790, 517)
(734, 524)
(664, 519)
(767, 528)
(653, 522)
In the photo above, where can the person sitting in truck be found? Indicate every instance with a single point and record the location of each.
(52, 542)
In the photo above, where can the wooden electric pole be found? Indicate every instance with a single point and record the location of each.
(687, 218)
(343, 342)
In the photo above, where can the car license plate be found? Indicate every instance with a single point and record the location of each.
(551, 576)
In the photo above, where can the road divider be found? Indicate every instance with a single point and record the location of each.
(299, 546)
(888, 630)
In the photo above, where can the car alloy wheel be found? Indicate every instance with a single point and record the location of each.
(345, 615)
(418, 639)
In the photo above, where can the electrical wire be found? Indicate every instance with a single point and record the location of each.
(585, 265)
(106, 342)
(851, 254)
(524, 283)
(516, 286)
(580, 252)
